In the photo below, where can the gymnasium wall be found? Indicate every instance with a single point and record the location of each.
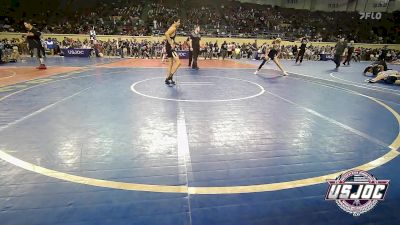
(334, 5)
(82, 37)
(263, 2)
(360, 5)
(329, 5)
(393, 6)
(376, 6)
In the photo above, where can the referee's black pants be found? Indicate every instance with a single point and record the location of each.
(190, 58)
(195, 56)
(337, 59)
(300, 56)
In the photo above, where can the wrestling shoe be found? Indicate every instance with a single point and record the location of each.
(41, 67)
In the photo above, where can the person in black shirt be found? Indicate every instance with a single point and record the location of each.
(302, 50)
(195, 45)
(350, 50)
(340, 48)
(383, 54)
(33, 37)
(190, 51)
(294, 50)
(224, 48)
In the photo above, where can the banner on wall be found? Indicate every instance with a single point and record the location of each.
(183, 54)
(76, 52)
(325, 57)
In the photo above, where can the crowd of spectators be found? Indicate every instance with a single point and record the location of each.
(155, 49)
(119, 17)
(289, 52)
(228, 18)
(159, 16)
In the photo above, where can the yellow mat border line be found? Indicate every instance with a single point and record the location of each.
(393, 153)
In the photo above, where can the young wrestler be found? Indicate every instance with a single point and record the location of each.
(273, 55)
(376, 67)
(389, 77)
(173, 57)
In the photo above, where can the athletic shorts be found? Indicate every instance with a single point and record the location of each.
(390, 80)
(272, 54)
(171, 53)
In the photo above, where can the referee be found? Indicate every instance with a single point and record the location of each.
(195, 46)
(190, 52)
(350, 50)
(35, 43)
(340, 47)
(303, 46)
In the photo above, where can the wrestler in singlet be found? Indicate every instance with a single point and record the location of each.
(173, 58)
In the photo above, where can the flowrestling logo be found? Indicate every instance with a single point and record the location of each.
(370, 15)
(356, 191)
(76, 52)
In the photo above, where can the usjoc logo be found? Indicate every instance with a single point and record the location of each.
(356, 191)
(182, 54)
(76, 52)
